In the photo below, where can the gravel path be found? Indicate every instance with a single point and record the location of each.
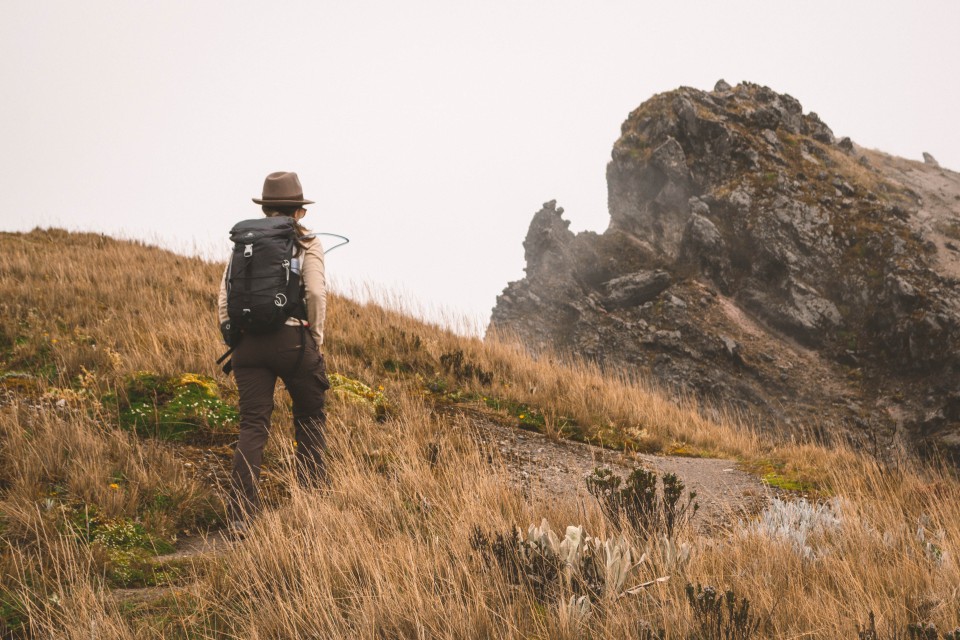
(725, 494)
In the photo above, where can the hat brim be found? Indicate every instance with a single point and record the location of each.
(282, 203)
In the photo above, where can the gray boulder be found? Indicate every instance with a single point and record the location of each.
(635, 289)
(703, 235)
(817, 129)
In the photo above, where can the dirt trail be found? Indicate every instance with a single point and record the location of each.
(558, 467)
(190, 549)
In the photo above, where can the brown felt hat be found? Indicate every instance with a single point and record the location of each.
(282, 188)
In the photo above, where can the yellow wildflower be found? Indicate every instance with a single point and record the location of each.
(114, 486)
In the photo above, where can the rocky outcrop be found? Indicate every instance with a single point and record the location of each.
(755, 261)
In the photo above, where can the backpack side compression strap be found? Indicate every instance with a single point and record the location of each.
(227, 368)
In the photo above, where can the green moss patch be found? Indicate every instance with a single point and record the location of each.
(686, 450)
(124, 548)
(528, 418)
(788, 483)
(775, 473)
(130, 548)
(186, 407)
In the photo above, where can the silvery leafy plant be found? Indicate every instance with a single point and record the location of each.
(797, 521)
(556, 568)
(670, 555)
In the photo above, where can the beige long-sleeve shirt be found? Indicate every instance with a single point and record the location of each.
(313, 272)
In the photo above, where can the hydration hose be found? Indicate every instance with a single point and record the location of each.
(345, 239)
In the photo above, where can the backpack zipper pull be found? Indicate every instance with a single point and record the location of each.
(286, 266)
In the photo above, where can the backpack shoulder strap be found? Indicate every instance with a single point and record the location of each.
(228, 272)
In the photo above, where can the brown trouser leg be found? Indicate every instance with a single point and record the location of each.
(309, 422)
(258, 361)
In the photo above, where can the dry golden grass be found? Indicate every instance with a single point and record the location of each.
(386, 552)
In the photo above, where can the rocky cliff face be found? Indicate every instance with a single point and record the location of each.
(756, 261)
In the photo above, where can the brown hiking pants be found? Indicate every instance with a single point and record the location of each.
(258, 361)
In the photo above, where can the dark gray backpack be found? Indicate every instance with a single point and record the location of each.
(263, 279)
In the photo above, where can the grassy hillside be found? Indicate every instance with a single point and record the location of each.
(115, 427)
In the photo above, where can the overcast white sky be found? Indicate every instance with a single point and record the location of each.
(427, 132)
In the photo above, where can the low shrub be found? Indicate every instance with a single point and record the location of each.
(915, 631)
(721, 617)
(637, 500)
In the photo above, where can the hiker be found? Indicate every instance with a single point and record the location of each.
(289, 347)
